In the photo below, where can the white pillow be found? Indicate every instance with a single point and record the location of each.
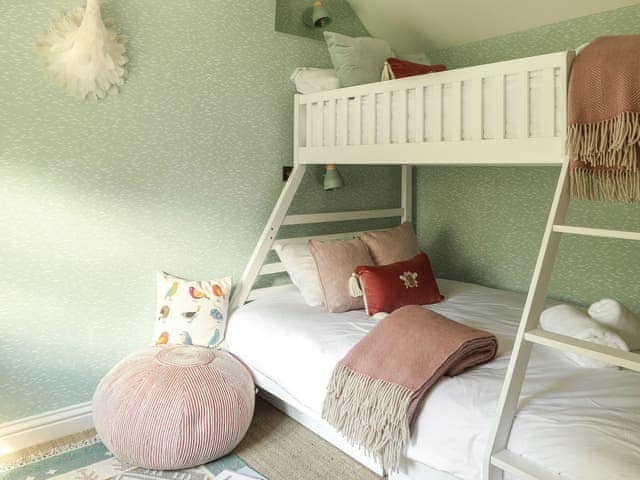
(312, 80)
(301, 267)
(191, 312)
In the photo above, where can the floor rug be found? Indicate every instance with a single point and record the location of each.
(95, 462)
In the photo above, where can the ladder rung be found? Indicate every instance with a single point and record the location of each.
(610, 355)
(597, 232)
(521, 467)
(270, 268)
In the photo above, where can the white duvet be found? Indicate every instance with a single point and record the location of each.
(581, 423)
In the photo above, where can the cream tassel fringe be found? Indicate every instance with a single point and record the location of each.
(610, 151)
(611, 143)
(615, 186)
(370, 413)
(355, 290)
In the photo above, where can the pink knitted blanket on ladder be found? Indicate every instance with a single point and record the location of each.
(375, 389)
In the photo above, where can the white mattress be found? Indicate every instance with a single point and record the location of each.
(582, 423)
(490, 127)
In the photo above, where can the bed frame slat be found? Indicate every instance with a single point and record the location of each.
(549, 102)
(501, 110)
(525, 99)
(357, 109)
(341, 216)
(420, 114)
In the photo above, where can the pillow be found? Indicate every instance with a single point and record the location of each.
(395, 68)
(335, 262)
(419, 57)
(357, 60)
(385, 288)
(312, 80)
(301, 267)
(191, 312)
(391, 246)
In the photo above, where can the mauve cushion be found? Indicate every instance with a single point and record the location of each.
(335, 262)
(388, 287)
(391, 246)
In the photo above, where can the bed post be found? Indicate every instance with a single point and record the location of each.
(252, 270)
(407, 193)
(243, 289)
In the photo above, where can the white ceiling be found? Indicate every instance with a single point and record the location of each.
(422, 25)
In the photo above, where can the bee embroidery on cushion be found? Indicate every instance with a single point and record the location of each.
(410, 279)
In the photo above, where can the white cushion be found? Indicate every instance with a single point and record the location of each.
(301, 267)
(312, 80)
(191, 312)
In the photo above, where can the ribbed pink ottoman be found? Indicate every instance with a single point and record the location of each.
(173, 407)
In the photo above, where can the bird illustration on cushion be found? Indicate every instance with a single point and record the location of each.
(197, 294)
(163, 339)
(217, 290)
(172, 291)
(185, 338)
(164, 313)
(213, 341)
(191, 315)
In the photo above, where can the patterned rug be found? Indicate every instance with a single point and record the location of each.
(95, 462)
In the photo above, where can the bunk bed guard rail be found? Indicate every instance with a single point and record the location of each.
(506, 113)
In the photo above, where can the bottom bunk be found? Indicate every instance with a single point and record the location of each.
(567, 413)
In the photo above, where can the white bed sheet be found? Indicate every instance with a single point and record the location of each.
(490, 92)
(581, 423)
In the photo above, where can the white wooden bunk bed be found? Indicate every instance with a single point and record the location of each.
(507, 113)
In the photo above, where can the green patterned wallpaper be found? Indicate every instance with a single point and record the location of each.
(178, 172)
(343, 19)
(484, 225)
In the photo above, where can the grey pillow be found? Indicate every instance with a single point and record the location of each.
(357, 60)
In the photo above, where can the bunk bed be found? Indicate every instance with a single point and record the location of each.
(508, 113)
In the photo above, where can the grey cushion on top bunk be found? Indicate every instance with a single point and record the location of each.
(357, 60)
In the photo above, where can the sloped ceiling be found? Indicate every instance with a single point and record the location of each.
(423, 25)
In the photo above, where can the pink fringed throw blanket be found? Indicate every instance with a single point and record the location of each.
(375, 389)
(604, 120)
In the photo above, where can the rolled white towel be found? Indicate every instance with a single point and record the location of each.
(574, 322)
(618, 318)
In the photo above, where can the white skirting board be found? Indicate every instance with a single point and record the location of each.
(45, 427)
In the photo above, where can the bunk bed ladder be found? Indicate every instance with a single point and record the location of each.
(499, 459)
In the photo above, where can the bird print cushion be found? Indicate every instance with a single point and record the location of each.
(191, 312)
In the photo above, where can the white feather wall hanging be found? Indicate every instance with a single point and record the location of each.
(82, 55)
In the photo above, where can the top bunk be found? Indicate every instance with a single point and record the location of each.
(506, 113)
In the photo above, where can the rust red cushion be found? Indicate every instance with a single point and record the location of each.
(388, 287)
(401, 68)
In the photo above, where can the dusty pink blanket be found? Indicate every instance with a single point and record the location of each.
(604, 120)
(375, 389)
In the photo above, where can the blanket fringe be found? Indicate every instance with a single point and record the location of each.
(615, 186)
(370, 413)
(610, 143)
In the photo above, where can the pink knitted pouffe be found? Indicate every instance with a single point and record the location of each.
(173, 407)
